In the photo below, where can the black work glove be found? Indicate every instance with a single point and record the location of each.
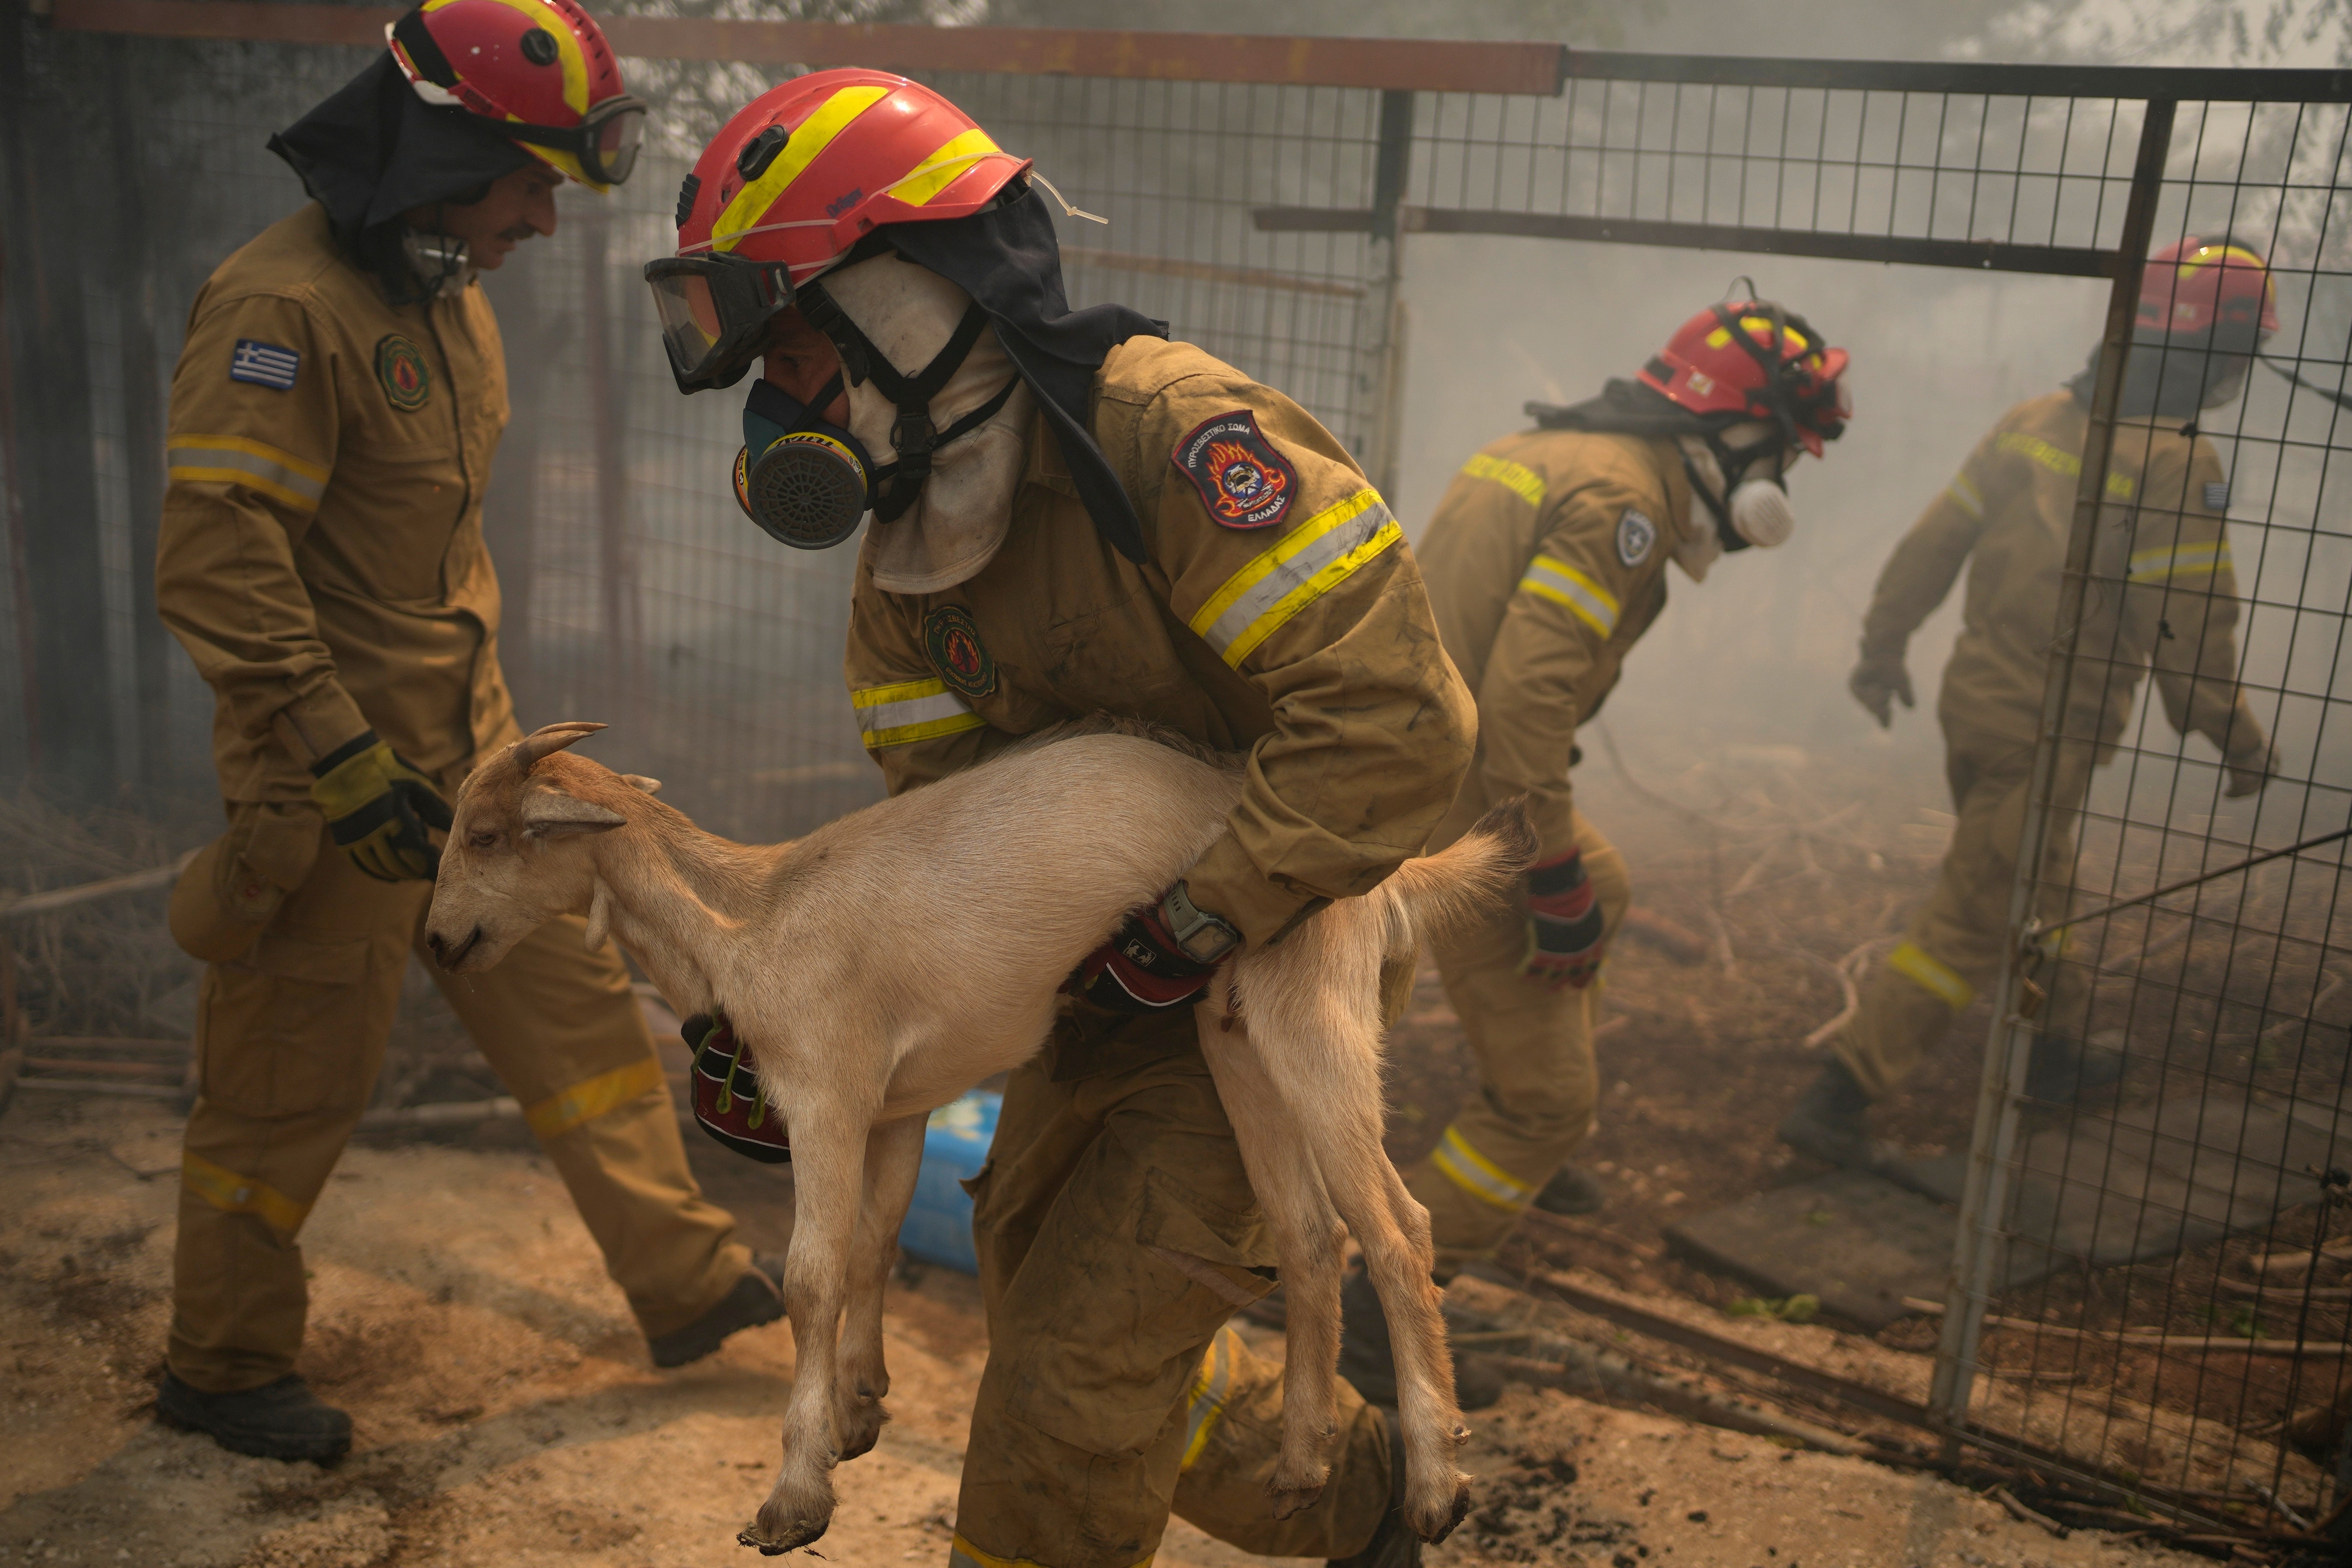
(1877, 683)
(1144, 967)
(378, 807)
(1565, 930)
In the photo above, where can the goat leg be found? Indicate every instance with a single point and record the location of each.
(828, 1179)
(1307, 1242)
(1315, 1015)
(894, 1157)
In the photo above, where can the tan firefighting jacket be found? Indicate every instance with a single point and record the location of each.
(1296, 628)
(2161, 587)
(1547, 561)
(321, 554)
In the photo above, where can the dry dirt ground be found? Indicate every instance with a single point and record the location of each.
(505, 1413)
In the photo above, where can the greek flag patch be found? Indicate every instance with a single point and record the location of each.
(2216, 495)
(264, 364)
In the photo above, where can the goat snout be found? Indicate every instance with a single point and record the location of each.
(449, 956)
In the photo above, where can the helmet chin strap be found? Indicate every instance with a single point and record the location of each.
(1726, 466)
(913, 437)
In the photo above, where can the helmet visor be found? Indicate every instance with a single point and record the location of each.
(605, 142)
(715, 312)
(610, 138)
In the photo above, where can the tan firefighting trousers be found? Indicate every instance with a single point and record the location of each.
(1954, 943)
(288, 1042)
(1116, 1233)
(1536, 1081)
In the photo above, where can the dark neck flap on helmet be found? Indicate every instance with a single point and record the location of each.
(2164, 377)
(1624, 408)
(374, 150)
(1007, 260)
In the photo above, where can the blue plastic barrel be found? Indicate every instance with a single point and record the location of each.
(955, 1145)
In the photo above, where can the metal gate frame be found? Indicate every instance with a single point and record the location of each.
(1413, 78)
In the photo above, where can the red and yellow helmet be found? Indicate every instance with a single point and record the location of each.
(2199, 285)
(539, 69)
(789, 185)
(1752, 360)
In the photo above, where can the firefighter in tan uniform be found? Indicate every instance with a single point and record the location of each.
(2161, 592)
(1547, 561)
(332, 421)
(1071, 515)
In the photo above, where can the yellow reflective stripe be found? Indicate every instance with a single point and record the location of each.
(1517, 478)
(1206, 1401)
(1964, 496)
(233, 1194)
(1476, 1174)
(585, 1102)
(1303, 565)
(1564, 584)
(2058, 460)
(2199, 560)
(962, 1553)
(945, 167)
(910, 711)
(236, 460)
(811, 137)
(1931, 975)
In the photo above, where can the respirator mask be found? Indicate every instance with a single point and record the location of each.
(807, 483)
(1750, 507)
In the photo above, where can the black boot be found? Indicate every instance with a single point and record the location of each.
(1571, 1191)
(757, 1299)
(1832, 1122)
(1394, 1544)
(2065, 1072)
(280, 1420)
(1369, 1364)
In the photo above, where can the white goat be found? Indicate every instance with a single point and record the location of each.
(826, 954)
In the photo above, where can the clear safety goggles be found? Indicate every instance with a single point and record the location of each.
(605, 142)
(715, 312)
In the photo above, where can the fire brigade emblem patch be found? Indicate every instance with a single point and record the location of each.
(1243, 480)
(964, 661)
(400, 365)
(1635, 534)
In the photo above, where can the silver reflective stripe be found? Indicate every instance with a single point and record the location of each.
(1299, 568)
(910, 711)
(213, 462)
(1564, 584)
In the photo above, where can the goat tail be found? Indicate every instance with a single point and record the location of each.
(1437, 894)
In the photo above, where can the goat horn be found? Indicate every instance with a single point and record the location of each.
(549, 739)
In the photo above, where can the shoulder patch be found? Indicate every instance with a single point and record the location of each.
(1243, 480)
(1635, 534)
(2216, 495)
(400, 365)
(264, 364)
(951, 639)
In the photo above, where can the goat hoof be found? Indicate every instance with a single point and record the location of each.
(1436, 1528)
(1297, 1499)
(776, 1542)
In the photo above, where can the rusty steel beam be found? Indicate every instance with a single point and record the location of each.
(1399, 63)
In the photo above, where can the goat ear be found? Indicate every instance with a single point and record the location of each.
(641, 784)
(600, 916)
(550, 813)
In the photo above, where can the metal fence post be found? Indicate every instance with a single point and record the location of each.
(1384, 303)
(1984, 1201)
